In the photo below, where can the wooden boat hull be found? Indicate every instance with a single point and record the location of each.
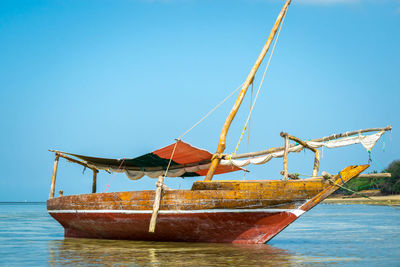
(216, 226)
(249, 212)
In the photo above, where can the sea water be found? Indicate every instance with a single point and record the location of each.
(350, 235)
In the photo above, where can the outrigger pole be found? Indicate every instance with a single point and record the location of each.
(222, 138)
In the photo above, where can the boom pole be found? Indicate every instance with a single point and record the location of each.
(222, 138)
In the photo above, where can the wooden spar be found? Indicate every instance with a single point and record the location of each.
(301, 142)
(326, 175)
(323, 139)
(156, 205)
(285, 155)
(53, 177)
(94, 183)
(304, 144)
(59, 154)
(222, 139)
(74, 160)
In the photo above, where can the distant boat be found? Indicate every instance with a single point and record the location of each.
(230, 211)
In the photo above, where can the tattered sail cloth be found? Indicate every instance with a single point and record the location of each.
(368, 141)
(187, 161)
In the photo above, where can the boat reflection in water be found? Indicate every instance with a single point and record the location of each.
(119, 252)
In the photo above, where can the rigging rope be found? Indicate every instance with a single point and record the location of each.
(248, 132)
(357, 193)
(261, 83)
(210, 112)
(113, 176)
(172, 155)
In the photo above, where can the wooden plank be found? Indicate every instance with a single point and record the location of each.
(250, 195)
(291, 185)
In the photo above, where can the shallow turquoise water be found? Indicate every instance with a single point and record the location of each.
(351, 235)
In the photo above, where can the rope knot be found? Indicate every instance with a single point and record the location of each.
(217, 155)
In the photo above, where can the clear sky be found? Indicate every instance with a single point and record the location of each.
(123, 78)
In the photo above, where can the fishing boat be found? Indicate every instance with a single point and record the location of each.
(223, 211)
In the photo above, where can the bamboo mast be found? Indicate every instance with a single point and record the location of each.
(222, 138)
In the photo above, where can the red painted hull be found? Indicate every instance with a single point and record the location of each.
(219, 227)
(251, 214)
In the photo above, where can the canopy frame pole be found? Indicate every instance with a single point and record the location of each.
(222, 139)
(317, 159)
(84, 164)
(94, 183)
(53, 177)
(317, 153)
(285, 156)
(53, 180)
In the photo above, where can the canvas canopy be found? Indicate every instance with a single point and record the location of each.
(188, 161)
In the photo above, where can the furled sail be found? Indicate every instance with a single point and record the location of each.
(187, 161)
(368, 141)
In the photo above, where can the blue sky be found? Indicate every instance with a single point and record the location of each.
(123, 78)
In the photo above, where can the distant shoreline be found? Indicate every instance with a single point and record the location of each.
(373, 200)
